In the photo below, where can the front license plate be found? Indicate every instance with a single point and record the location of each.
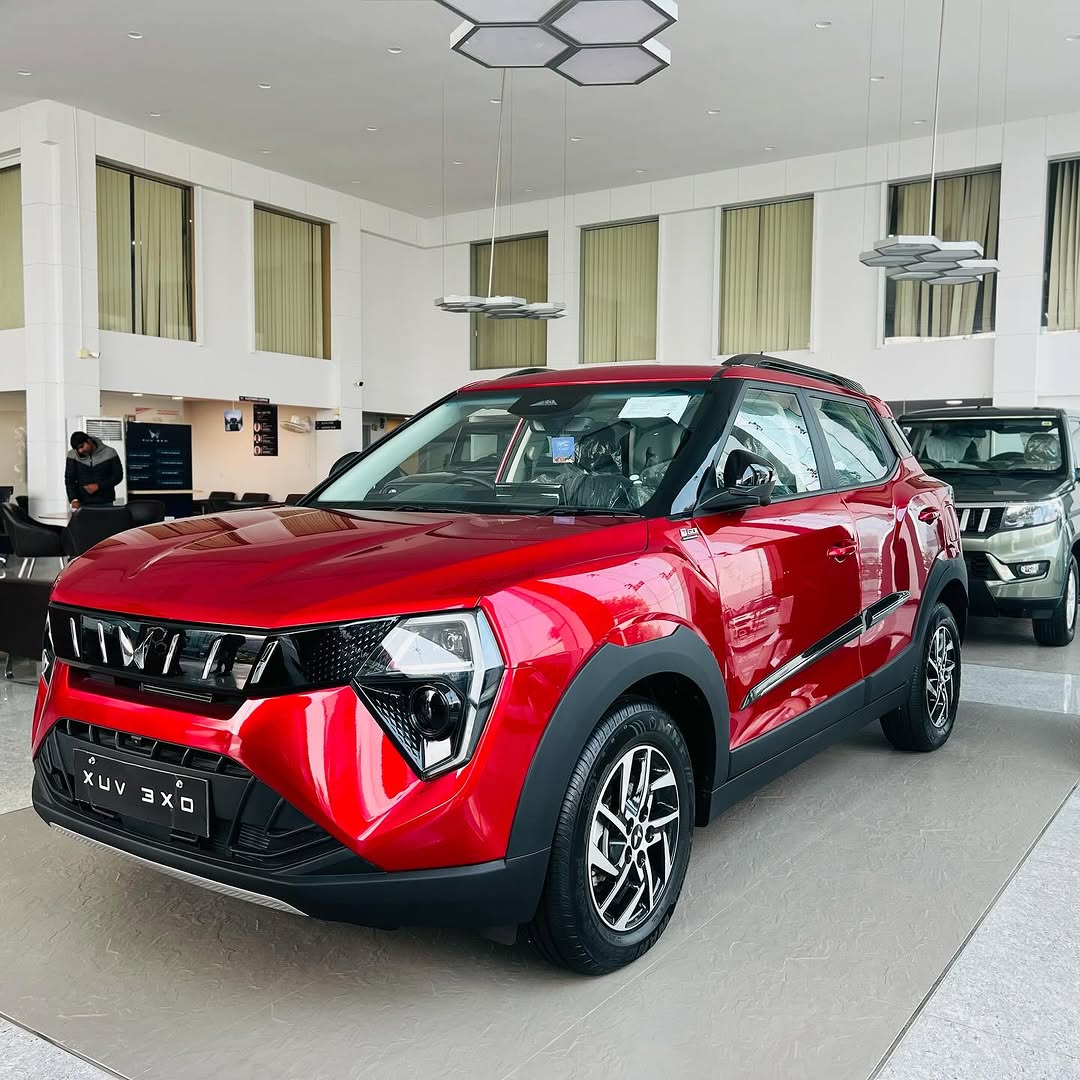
(180, 802)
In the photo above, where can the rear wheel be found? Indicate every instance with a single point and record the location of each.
(925, 721)
(622, 843)
(1060, 628)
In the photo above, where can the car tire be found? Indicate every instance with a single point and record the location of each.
(1060, 628)
(925, 721)
(617, 863)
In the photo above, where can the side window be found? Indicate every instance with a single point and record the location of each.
(1074, 436)
(855, 440)
(771, 424)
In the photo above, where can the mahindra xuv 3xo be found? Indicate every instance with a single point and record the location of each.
(439, 694)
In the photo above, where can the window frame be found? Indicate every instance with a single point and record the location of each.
(886, 443)
(327, 319)
(891, 212)
(187, 232)
(1044, 317)
(474, 317)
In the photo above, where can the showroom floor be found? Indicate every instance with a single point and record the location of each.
(824, 918)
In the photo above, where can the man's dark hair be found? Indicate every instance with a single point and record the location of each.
(78, 439)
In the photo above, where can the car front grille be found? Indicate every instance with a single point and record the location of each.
(980, 520)
(980, 567)
(250, 824)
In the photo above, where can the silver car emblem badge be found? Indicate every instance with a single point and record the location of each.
(131, 653)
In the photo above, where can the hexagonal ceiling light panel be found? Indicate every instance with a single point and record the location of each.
(524, 46)
(504, 12)
(620, 65)
(614, 22)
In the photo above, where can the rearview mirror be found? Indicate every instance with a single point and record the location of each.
(748, 480)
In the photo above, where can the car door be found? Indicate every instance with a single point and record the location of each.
(788, 582)
(897, 520)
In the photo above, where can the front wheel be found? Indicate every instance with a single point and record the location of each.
(622, 843)
(1060, 628)
(925, 721)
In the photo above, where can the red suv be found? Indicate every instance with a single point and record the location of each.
(438, 693)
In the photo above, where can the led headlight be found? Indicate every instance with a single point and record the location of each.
(1025, 515)
(430, 683)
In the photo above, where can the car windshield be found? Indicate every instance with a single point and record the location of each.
(596, 449)
(993, 444)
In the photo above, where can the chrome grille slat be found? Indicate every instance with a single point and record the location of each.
(980, 520)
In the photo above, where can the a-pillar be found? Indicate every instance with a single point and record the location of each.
(60, 263)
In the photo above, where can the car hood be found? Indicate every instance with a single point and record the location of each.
(277, 567)
(1001, 487)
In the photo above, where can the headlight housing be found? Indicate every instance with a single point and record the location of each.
(430, 684)
(1026, 515)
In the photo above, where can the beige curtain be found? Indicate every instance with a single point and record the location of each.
(521, 269)
(1063, 284)
(114, 250)
(966, 208)
(618, 312)
(288, 284)
(11, 256)
(766, 265)
(162, 261)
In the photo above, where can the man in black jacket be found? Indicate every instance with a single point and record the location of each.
(92, 472)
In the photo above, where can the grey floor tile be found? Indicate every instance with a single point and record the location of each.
(940, 1050)
(16, 770)
(1044, 691)
(24, 1056)
(1009, 643)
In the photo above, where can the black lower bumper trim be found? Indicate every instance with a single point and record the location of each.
(984, 603)
(501, 893)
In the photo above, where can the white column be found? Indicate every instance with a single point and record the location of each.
(1020, 250)
(62, 378)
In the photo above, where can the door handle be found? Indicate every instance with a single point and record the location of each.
(840, 552)
(929, 515)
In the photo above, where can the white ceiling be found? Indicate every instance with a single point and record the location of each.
(776, 80)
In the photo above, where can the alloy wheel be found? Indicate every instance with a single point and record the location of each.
(633, 838)
(940, 677)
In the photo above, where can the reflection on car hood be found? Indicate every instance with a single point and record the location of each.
(971, 488)
(276, 567)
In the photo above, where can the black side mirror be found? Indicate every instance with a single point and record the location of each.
(748, 481)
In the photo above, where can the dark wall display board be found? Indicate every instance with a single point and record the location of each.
(264, 430)
(159, 465)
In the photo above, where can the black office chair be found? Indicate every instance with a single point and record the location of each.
(146, 512)
(89, 525)
(23, 605)
(31, 540)
(202, 506)
(292, 500)
(255, 498)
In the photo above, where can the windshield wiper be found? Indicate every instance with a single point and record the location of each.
(578, 511)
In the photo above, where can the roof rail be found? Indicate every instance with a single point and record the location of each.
(523, 371)
(773, 363)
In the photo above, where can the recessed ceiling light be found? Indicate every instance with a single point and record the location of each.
(394, 50)
(24, 73)
(575, 138)
(264, 151)
(135, 36)
(1068, 37)
(457, 162)
(639, 171)
(496, 101)
(372, 129)
(918, 121)
(529, 190)
(768, 148)
(265, 85)
(877, 78)
(714, 112)
(823, 25)
(155, 114)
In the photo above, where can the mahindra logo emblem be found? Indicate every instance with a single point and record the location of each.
(153, 638)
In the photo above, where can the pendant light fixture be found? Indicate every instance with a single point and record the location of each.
(589, 42)
(500, 307)
(924, 257)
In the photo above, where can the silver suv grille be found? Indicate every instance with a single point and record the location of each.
(980, 520)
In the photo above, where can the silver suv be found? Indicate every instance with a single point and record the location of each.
(1015, 474)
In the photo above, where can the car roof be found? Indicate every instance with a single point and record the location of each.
(971, 412)
(763, 368)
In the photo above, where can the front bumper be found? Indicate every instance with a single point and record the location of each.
(995, 589)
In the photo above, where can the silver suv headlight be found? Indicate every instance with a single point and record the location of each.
(430, 684)
(1025, 515)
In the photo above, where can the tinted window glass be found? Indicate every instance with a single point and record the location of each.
(855, 440)
(771, 425)
(994, 444)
